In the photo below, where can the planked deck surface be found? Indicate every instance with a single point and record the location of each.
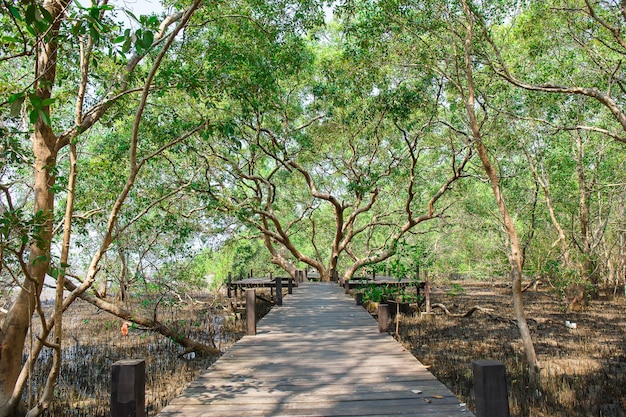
(317, 355)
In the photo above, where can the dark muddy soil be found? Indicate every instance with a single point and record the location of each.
(583, 369)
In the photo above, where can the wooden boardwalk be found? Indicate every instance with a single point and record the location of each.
(317, 355)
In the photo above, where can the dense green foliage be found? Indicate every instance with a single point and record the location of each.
(275, 85)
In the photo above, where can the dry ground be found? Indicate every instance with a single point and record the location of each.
(583, 369)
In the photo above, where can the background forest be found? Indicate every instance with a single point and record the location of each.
(145, 155)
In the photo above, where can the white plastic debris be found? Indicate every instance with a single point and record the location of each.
(570, 325)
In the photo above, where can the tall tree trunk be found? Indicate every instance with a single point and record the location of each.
(44, 145)
(515, 253)
(583, 193)
(587, 270)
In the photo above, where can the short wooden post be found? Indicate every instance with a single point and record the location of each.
(279, 291)
(427, 291)
(128, 388)
(238, 288)
(383, 318)
(490, 390)
(346, 287)
(290, 286)
(250, 311)
(359, 298)
(228, 285)
(373, 275)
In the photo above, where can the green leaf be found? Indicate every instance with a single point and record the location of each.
(10, 39)
(126, 46)
(15, 12)
(35, 100)
(30, 14)
(15, 97)
(148, 38)
(45, 117)
(16, 106)
(38, 16)
(33, 116)
(130, 14)
(46, 15)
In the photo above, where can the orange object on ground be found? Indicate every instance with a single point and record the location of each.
(125, 329)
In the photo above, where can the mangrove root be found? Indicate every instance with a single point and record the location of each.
(471, 311)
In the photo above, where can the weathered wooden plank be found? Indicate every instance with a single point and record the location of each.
(351, 408)
(317, 355)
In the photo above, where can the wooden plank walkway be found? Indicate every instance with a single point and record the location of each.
(317, 355)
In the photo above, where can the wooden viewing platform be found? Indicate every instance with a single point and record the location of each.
(317, 355)
(356, 282)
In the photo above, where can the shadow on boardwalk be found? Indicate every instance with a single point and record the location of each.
(317, 355)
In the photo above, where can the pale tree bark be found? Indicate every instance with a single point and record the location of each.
(515, 253)
(544, 182)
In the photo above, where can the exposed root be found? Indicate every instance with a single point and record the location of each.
(534, 284)
(471, 311)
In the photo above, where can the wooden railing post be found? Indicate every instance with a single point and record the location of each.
(346, 287)
(383, 318)
(228, 285)
(290, 285)
(279, 291)
(250, 311)
(490, 391)
(359, 298)
(128, 388)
